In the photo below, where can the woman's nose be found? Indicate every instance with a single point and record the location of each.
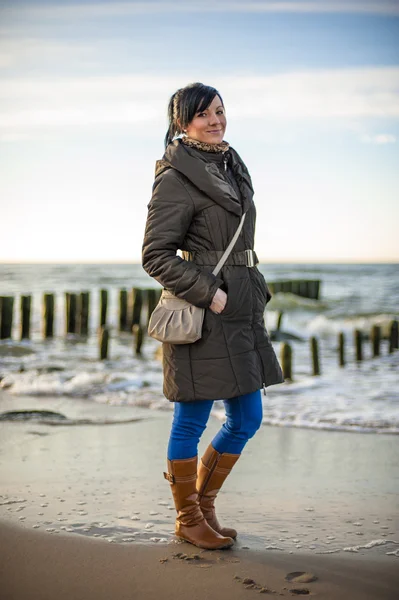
(214, 120)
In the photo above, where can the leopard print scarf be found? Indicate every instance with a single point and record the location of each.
(221, 147)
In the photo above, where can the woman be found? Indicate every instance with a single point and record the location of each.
(201, 189)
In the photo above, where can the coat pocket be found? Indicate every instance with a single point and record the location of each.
(239, 299)
(227, 305)
(263, 286)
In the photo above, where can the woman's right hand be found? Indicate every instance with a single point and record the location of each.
(219, 301)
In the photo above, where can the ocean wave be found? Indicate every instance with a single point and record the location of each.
(361, 397)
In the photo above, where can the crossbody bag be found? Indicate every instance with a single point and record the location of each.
(176, 321)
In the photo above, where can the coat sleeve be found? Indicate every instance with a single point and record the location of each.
(170, 213)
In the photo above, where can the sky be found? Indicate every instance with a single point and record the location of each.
(311, 91)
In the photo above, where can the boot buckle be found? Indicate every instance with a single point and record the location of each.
(169, 477)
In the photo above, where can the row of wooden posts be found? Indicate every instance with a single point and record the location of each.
(77, 308)
(286, 354)
(131, 304)
(307, 288)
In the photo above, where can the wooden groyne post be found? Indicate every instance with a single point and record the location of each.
(70, 312)
(103, 342)
(315, 356)
(393, 336)
(48, 315)
(376, 339)
(286, 360)
(153, 296)
(6, 316)
(103, 307)
(123, 324)
(25, 312)
(76, 312)
(358, 344)
(138, 338)
(83, 313)
(341, 348)
(135, 306)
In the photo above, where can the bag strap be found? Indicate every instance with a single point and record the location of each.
(229, 247)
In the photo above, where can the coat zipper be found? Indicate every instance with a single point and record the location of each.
(261, 368)
(257, 351)
(260, 360)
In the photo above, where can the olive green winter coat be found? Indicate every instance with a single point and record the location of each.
(196, 207)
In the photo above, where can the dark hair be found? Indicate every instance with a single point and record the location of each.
(185, 103)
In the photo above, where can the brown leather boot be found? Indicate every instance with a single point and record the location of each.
(191, 525)
(212, 471)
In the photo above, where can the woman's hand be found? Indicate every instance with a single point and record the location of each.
(219, 301)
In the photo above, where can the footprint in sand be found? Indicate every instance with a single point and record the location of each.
(250, 584)
(300, 577)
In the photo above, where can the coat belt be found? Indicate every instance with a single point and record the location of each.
(246, 258)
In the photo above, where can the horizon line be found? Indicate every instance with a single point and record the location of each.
(137, 262)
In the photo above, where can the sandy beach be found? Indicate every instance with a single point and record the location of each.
(85, 511)
(38, 566)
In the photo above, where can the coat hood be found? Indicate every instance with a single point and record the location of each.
(206, 175)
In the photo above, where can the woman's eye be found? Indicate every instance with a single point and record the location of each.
(219, 112)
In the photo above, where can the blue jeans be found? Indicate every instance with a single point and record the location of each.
(244, 417)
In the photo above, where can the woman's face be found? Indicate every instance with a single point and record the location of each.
(209, 126)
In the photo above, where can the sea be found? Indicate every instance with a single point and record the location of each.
(361, 396)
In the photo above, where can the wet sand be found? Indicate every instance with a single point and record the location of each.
(86, 512)
(36, 566)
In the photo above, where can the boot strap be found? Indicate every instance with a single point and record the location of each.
(185, 479)
(222, 470)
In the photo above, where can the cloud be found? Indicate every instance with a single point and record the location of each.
(29, 103)
(13, 137)
(380, 138)
(30, 51)
(123, 9)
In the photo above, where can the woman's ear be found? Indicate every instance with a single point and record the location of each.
(179, 126)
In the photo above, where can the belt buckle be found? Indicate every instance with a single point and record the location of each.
(250, 258)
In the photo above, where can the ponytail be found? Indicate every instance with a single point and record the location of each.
(170, 132)
(173, 112)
